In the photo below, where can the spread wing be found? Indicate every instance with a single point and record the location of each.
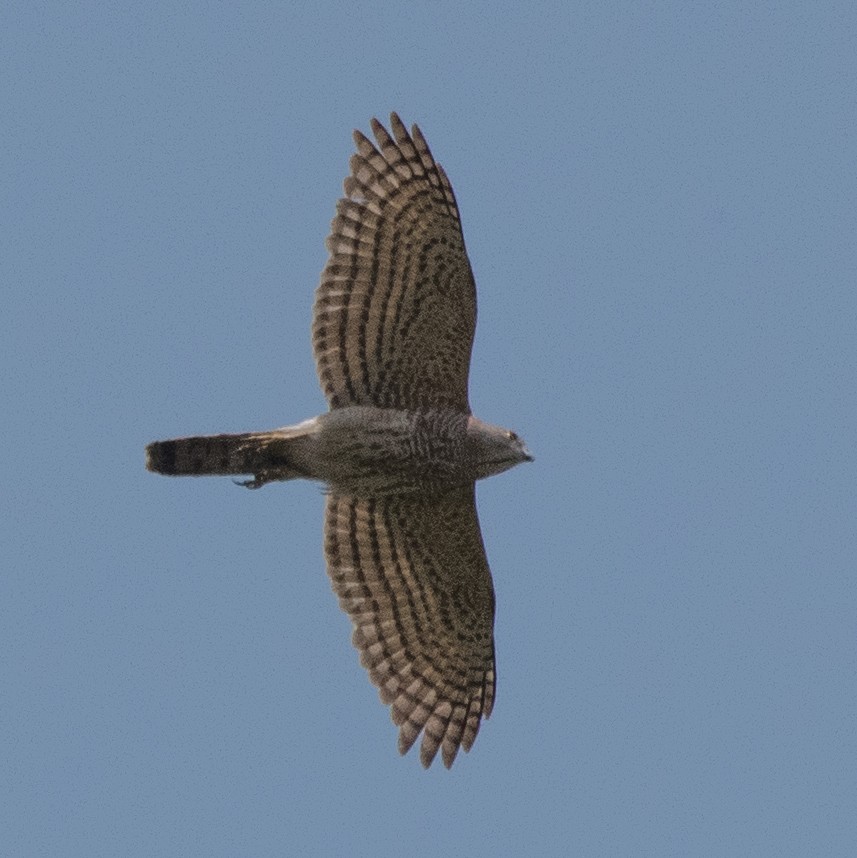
(395, 313)
(411, 573)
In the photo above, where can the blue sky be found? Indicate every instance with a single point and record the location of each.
(659, 204)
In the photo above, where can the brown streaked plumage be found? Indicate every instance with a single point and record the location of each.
(412, 574)
(395, 313)
(392, 332)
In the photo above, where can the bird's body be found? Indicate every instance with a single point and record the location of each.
(357, 449)
(399, 450)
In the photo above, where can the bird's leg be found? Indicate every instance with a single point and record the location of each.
(257, 482)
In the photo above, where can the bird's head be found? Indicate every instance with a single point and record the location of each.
(493, 449)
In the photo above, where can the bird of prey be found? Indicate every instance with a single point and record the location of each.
(399, 450)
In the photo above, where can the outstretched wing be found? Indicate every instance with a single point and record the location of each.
(412, 574)
(395, 313)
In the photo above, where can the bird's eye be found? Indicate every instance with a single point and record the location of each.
(512, 436)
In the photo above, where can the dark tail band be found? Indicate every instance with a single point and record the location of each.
(211, 454)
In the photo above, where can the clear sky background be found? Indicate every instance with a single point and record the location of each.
(659, 205)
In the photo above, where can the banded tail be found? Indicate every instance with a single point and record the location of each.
(263, 454)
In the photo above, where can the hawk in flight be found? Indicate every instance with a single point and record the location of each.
(399, 449)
